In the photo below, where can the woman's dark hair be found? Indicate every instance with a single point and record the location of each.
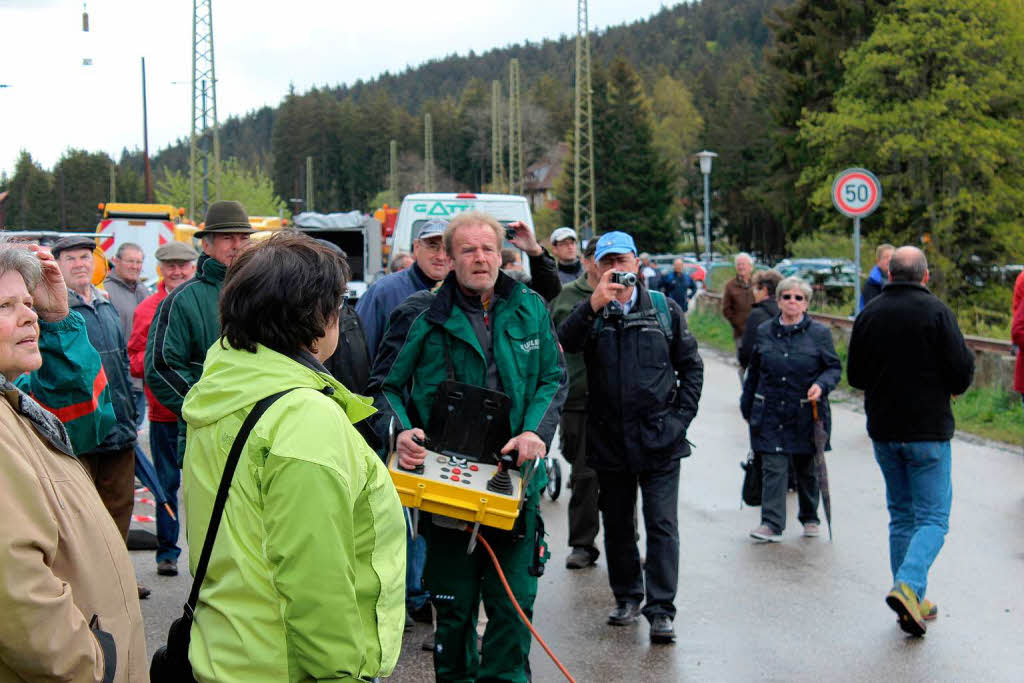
(282, 292)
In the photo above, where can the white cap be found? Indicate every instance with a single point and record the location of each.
(563, 234)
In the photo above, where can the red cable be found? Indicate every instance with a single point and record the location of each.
(522, 614)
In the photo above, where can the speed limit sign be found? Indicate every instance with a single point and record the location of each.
(856, 192)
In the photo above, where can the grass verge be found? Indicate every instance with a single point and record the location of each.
(988, 413)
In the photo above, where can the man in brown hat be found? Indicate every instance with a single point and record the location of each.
(177, 266)
(187, 322)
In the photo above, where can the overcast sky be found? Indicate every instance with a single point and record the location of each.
(53, 102)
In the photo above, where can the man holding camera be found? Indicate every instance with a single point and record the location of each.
(644, 378)
(484, 330)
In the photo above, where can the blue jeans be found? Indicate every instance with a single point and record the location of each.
(415, 559)
(919, 493)
(163, 444)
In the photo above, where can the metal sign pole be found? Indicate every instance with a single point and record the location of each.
(856, 263)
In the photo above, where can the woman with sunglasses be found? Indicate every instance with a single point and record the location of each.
(793, 363)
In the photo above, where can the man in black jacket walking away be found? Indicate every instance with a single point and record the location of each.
(909, 357)
(644, 379)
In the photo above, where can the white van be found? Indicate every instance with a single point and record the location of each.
(417, 209)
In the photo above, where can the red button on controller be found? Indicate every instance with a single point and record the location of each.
(456, 470)
(474, 468)
(455, 477)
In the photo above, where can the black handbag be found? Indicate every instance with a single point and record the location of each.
(170, 663)
(751, 492)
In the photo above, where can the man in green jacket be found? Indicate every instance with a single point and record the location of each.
(584, 517)
(497, 334)
(187, 323)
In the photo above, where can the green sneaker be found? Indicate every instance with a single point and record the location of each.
(903, 601)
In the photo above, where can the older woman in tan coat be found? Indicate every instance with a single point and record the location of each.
(68, 604)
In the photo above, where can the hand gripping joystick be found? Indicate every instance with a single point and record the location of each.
(419, 442)
(501, 482)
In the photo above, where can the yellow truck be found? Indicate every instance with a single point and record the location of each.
(147, 225)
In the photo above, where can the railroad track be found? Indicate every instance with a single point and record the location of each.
(974, 343)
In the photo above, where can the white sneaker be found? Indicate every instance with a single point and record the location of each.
(766, 534)
(812, 530)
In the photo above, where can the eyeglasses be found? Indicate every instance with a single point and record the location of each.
(797, 297)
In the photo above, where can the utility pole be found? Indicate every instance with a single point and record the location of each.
(515, 131)
(428, 154)
(497, 176)
(147, 172)
(204, 145)
(309, 184)
(584, 201)
(393, 172)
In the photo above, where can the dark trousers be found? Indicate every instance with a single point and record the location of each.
(163, 444)
(660, 491)
(775, 475)
(458, 582)
(584, 516)
(114, 476)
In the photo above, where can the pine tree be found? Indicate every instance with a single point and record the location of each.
(32, 203)
(805, 69)
(82, 180)
(634, 192)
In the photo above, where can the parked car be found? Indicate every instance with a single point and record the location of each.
(825, 270)
(664, 264)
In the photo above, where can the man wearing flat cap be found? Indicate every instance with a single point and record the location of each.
(187, 322)
(112, 463)
(177, 262)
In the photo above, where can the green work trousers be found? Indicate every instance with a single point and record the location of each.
(457, 582)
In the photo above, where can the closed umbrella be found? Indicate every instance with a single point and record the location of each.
(146, 473)
(820, 439)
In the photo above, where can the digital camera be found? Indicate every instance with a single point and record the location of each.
(510, 233)
(627, 279)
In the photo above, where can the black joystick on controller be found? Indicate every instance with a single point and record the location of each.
(501, 482)
(419, 468)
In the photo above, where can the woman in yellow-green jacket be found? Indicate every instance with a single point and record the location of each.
(307, 576)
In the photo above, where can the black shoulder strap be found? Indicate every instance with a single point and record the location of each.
(222, 493)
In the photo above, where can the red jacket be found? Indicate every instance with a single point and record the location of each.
(1018, 292)
(1017, 335)
(144, 313)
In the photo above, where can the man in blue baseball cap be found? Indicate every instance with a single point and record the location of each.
(644, 380)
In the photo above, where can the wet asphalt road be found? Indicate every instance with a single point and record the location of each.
(801, 610)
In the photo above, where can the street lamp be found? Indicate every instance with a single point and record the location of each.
(705, 169)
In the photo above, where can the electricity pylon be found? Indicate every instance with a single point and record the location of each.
(584, 209)
(515, 131)
(204, 145)
(497, 176)
(428, 155)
